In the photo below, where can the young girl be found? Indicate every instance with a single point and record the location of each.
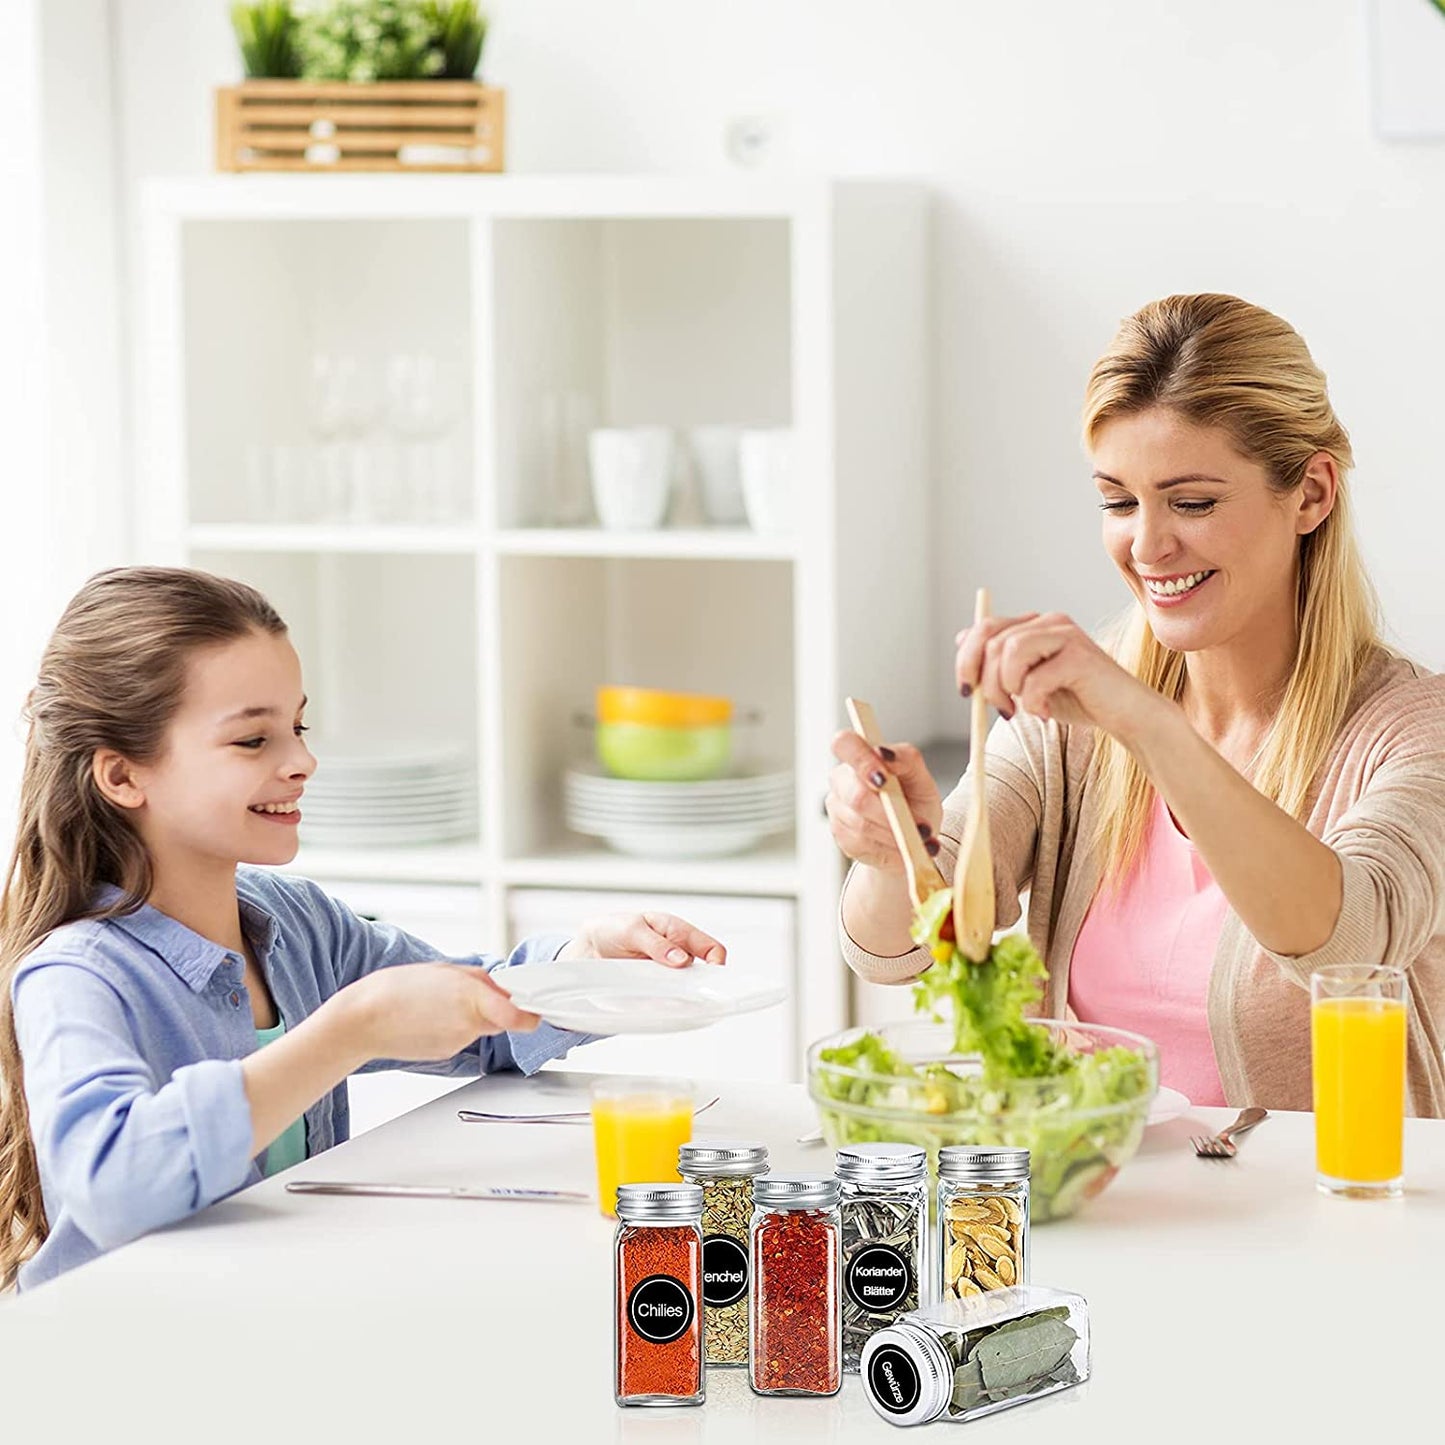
(171, 1024)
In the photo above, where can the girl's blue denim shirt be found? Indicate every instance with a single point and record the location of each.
(132, 1031)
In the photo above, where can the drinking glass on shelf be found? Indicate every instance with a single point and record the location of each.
(341, 414)
(1357, 1031)
(418, 416)
(564, 420)
(279, 483)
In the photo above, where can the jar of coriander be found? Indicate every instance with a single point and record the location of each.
(725, 1169)
(884, 1214)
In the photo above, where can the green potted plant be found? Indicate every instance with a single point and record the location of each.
(360, 85)
(360, 40)
(268, 34)
(460, 31)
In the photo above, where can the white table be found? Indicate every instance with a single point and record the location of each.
(284, 1317)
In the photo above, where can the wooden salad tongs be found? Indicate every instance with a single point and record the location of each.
(973, 899)
(924, 877)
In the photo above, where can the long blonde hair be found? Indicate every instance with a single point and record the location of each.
(1220, 362)
(112, 676)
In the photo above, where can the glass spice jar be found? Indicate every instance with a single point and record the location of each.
(983, 1220)
(657, 1295)
(884, 1218)
(796, 1338)
(725, 1170)
(965, 1358)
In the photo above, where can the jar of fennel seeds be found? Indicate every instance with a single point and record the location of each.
(795, 1342)
(883, 1210)
(657, 1295)
(983, 1220)
(725, 1170)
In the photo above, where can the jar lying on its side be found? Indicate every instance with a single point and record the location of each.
(966, 1358)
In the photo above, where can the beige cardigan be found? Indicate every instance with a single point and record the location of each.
(1379, 803)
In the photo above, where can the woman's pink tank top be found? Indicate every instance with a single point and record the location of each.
(1143, 957)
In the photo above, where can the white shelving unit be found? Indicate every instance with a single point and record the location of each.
(781, 302)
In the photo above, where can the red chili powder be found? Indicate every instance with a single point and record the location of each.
(645, 1367)
(796, 1339)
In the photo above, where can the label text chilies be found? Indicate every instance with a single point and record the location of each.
(659, 1324)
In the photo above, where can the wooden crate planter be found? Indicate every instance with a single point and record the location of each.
(413, 125)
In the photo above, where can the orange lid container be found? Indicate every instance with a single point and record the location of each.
(661, 709)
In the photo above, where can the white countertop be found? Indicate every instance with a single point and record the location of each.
(285, 1317)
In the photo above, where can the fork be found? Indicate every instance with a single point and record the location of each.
(1222, 1145)
(578, 1116)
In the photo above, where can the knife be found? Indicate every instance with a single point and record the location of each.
(435, 1191)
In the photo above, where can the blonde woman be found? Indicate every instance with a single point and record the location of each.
(1243, 783)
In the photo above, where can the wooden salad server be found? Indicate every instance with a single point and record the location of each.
(924, 877)
(973, 900)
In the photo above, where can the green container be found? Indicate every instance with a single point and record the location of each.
(648, 753)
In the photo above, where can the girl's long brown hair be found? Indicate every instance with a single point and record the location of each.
(1221, 362)
(112, 676)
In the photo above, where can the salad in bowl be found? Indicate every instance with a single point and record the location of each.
(980, 1071)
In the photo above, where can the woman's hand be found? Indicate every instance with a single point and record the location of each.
(659, 936)
(1049, 666)
(428, 1011)
(855, 812)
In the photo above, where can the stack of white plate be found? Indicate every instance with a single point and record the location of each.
(679, 820)
(376, 797)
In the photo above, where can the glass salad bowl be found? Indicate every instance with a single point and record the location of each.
(1080, 1127)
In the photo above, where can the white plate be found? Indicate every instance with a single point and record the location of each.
(681, 818)
(603, 783)
(383, 812)
(1167, 1104)
(634, 996)
(339, 837)
(711, 841)
(392, 756)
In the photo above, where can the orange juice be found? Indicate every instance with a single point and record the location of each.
(637, 1138)
(1359, 1087)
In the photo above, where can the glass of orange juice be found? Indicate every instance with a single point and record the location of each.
(638, 1125)
(1357, 1031)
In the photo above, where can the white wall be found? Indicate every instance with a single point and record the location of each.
(1086, 158)
(23, 512)
(62, 499)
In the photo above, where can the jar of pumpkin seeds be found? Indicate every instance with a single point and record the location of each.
(725, 1169)
(883, 1206)
(983, 1220)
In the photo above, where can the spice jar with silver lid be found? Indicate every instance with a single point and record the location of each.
(983, 1220)
(657, 1295)
(884, 1215)
(724, 1169)
(795, 1344)
(965, 1358)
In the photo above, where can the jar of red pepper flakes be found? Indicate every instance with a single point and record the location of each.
(796, 1323)
(657, 1295)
